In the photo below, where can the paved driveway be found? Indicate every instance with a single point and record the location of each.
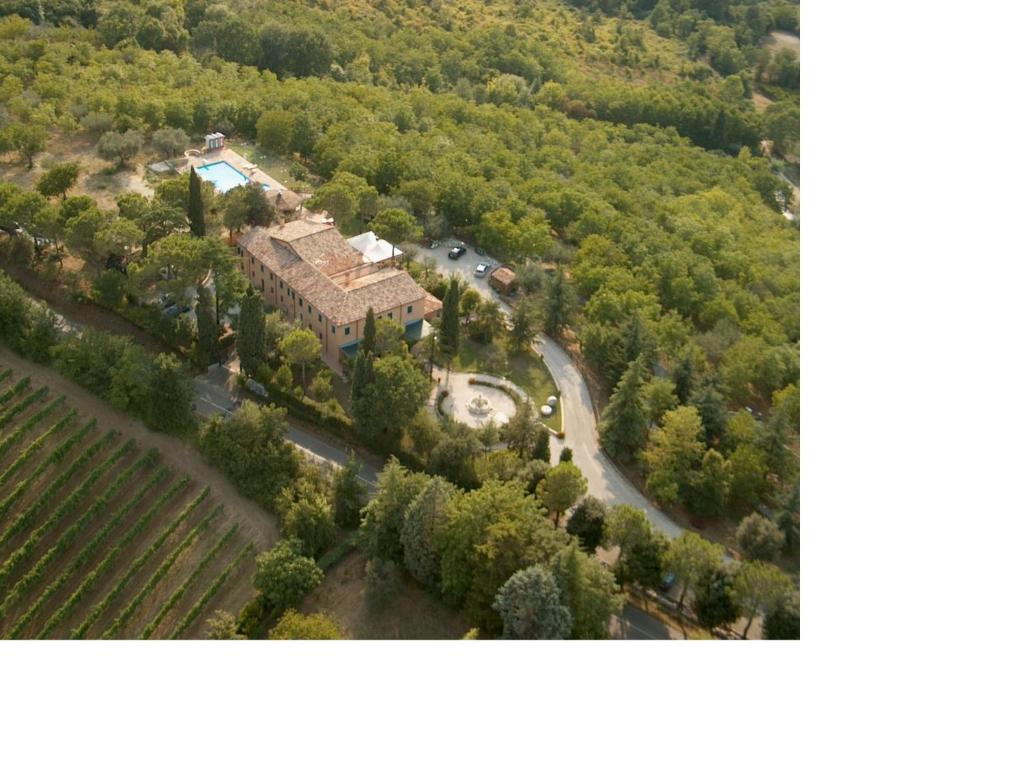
(213, 399)
(579, 421)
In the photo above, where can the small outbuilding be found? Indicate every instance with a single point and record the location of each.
(503, 280)
(288, 204)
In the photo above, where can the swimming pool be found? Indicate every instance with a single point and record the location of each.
(223, 175)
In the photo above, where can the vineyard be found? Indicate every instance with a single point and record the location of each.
(99, 536)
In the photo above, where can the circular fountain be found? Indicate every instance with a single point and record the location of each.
(479, 406)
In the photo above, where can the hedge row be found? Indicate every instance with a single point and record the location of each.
(98, 609)
(175, 596)
(83, 556)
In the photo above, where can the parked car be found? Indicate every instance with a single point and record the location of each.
(481, 270)
(457, 252)
(667, 582)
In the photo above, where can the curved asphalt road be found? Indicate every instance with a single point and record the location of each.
(579, 421)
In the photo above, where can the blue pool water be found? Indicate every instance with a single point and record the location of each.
(223, 175)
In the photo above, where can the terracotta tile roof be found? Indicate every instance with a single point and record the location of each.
(307, 255)
(320, 245)
(383, 290)
(431, 304)
(503, 275)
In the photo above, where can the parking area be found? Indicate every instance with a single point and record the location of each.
(465, 266)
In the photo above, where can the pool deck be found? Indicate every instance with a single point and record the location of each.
(227, 155)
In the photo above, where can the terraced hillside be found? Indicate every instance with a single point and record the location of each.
(101, 536)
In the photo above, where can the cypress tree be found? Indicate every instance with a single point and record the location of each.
(206, 329)
(449, 339)
(363, 392)
(252, 332)
(623, 427)
(369, 342)
(362, 375)
(542, 445)
(196, 217)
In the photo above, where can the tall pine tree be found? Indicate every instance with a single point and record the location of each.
(369, 342)
(196, 215)
(624, 423)
(252, 332)
(557, 304)
(449, 336)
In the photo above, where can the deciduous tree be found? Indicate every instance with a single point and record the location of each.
(305, 513)
(284, 576)
(757, 588)
(396, 225)
(691, 557)
(587, 590)
(301, 347)
(759, 538)
(713, 602)
(296, 626)
(587, 523)
(169, 142)
(561, 487)
(384, 516)
(119, 148)
(673, 454)
(58, 179)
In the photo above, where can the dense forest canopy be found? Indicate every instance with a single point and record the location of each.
(521, 132)
(626, 158)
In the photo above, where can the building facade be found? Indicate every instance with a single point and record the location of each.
(310, 273)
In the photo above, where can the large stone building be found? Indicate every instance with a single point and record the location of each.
(307, 270)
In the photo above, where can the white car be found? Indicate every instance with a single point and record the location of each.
(481, 270)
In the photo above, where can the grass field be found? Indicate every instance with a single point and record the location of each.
(412, 615)
(99, 536)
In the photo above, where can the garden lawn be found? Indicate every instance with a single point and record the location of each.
(525, 369)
